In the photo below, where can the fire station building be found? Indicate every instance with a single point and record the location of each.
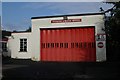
(62, 38)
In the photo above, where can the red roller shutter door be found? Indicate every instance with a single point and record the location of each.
(71, 44)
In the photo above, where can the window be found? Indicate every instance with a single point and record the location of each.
(61, 45)
(52, 45)
(23, 45)
(65, 45)
(76, 45)
(72, 45)
(4, 47)
(56, 45)
(43, 45)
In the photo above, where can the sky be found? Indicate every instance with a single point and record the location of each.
(17, 15)
(59, 0)
(0, 8)
(52, 0)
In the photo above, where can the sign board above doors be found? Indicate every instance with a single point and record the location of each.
(64, 21)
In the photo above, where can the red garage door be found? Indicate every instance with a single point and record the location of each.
(71, 44)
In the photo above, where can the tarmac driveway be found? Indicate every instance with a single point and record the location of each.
(26, 69)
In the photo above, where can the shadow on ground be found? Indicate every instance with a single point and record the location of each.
(26, 69)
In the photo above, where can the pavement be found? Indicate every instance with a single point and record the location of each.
(17, 69)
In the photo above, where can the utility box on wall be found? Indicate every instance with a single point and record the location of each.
(62, 38)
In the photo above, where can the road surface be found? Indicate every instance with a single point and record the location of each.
(26, 69)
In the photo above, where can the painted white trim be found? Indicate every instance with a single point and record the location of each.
(92, 25)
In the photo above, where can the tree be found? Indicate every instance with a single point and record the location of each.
(112, 28)
(29, 29)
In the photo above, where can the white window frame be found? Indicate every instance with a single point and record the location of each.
(23, 45)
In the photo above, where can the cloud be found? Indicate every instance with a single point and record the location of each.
(52, 0)
(12, 27)
(25, 21)
(63, 7)
(67, 7)
(76, 7)
(111, 0)
(9, 27)
(0, 8)
(36, 5)
(51, 8)
(60, 0)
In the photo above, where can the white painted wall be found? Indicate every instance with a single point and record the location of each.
(14, 45)
(87, 20)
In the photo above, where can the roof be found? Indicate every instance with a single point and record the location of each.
(67, 15)
(21, 32)
(5, 33)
